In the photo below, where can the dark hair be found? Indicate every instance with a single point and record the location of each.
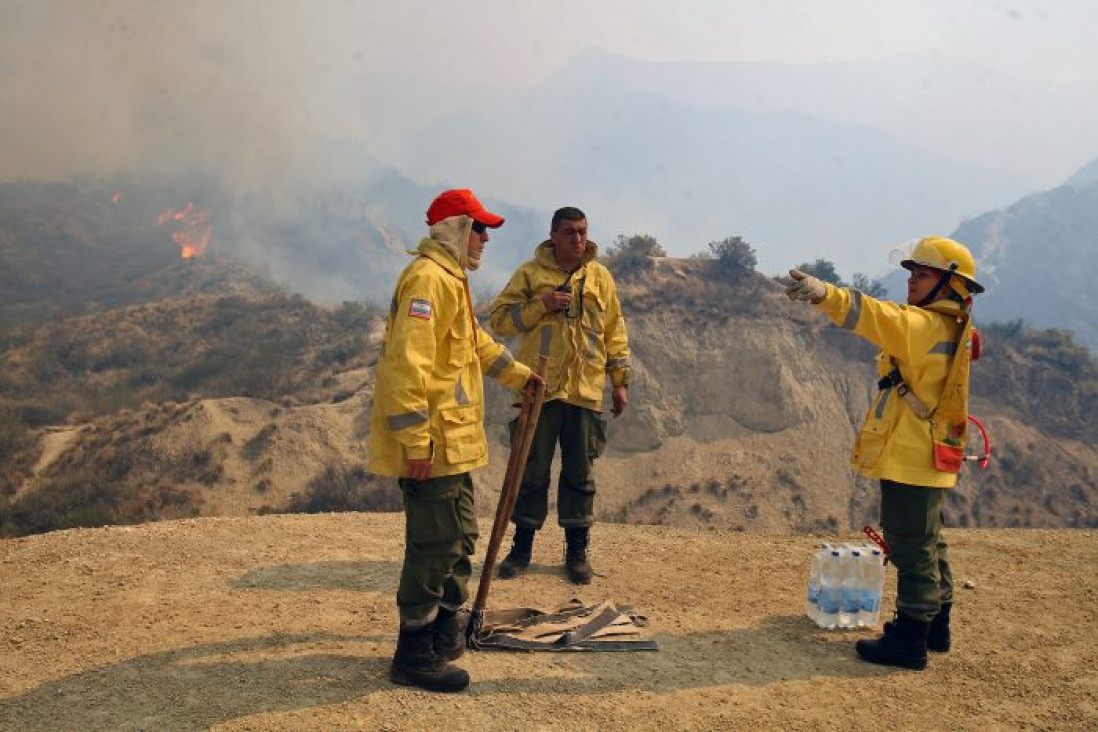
(569, 213)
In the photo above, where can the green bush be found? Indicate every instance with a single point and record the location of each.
(822, 269)
(734, 255)
(630, 253)
(873, 288)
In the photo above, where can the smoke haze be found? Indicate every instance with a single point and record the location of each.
(282, 97)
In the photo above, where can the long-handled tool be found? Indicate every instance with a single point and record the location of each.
(521, 441)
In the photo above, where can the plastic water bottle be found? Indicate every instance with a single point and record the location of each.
(865, 587)
(812, 599)
(831, 590)
(850, 603)
(872, 583)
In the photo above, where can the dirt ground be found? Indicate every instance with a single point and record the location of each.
(288, 622)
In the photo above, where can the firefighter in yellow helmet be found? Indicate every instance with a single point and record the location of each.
(914, 431)
(427, 430)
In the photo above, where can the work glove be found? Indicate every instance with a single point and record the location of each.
(806, 287)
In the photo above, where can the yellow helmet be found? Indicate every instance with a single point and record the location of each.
(944, 255)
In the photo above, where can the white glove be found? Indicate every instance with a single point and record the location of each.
(806, 287)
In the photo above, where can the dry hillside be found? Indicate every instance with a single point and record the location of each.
(288, 622)
(743, 410)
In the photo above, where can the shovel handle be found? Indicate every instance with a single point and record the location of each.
(516, 465)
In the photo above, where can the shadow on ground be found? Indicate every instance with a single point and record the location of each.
(372, 576)
(205, 685)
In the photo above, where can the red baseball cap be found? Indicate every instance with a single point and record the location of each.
(458, 201)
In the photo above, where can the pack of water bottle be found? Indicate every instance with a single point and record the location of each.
(844, 586)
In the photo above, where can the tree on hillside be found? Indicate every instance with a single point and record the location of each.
(734, 255)
(873, 288)
(822, 269)
(638, 245)
(629, 253)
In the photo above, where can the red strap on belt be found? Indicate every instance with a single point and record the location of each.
(879, 541)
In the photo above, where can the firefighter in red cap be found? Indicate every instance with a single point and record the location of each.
(914, 432)
(427, 430)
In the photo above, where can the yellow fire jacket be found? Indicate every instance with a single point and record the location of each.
(895, 443)
(588, 340)
(429, 395)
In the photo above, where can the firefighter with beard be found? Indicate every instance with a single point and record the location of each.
(427, 430)
(914, 432)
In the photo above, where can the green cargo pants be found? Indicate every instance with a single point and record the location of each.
(440, 534)
(911, 516)
(582, 436)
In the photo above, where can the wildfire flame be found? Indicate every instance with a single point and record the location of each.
(191, 229)
(117, 197)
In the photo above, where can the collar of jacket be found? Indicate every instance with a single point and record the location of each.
(945, 307)
(546, 258)
(438, 253)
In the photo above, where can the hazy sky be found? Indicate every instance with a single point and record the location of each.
(87, 84)
(510, 42)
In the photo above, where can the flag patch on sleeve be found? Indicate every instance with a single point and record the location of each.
(420, 309)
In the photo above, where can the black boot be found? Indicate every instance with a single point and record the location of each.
(903, 644)
(417, 664)
(449, 635)
(517, 560)
(937, 639)
(575, 555)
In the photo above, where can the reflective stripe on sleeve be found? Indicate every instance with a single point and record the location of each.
(617, 363)
(408, 419)
(505, 359)
(855, 312)
(516, 317)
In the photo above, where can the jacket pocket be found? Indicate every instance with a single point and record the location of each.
(870, 444)
(596, 436)
(948, 458)
(460, 342)
(431, 509)
(592, 355)
(594, 310)
(462, 434)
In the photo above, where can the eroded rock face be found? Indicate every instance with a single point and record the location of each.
(743, 411)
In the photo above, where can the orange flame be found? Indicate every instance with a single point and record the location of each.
(117, 197)
(192, 229)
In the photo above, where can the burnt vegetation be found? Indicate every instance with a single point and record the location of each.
(100, 322)
(271, 347)
(341, 488)
(111, 366)
(729, 504)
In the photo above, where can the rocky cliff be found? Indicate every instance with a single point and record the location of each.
(743, 411)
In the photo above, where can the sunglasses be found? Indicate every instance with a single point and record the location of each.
(479, 227)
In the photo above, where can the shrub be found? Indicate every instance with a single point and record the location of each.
(631, 253)
(873, 288)
(823, 269)
(734, 255)
(93, 497)
(340, 488)
(13, 433)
